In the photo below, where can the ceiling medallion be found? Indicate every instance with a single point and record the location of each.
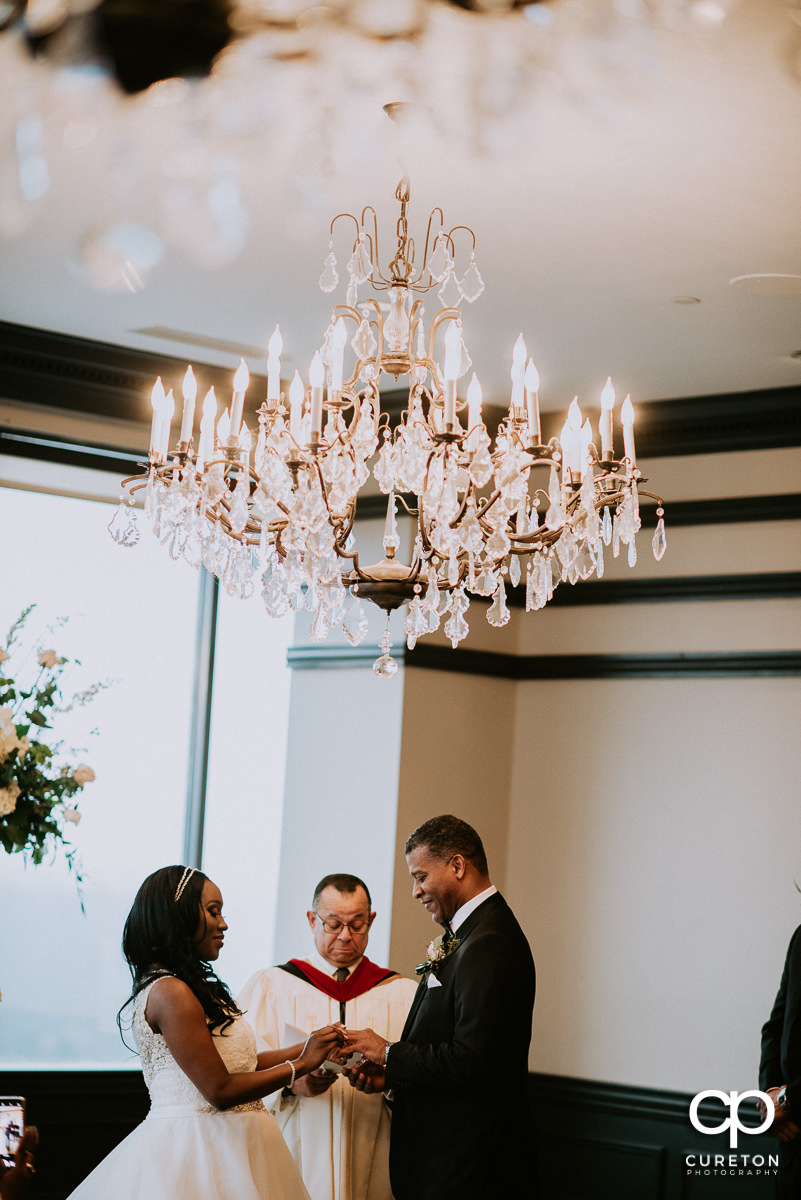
(279, 514)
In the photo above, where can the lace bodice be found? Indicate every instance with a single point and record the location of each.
(167, 1083)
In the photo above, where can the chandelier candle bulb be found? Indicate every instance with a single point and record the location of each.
(453, 358)
(274, 348)
(296, 394)
(627, 420)
(189, 391)
(518, 374)
(157, 399)
(531, 381)
(167, 414)
(571, 441)
(316, 379)
(607, 404)
(241, 381)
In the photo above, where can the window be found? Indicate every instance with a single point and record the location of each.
(132, 618)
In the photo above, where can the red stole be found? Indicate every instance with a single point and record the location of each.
(365, 977)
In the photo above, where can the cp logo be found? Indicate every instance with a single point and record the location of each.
(733, 1122)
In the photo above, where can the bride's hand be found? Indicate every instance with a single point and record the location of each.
(320, 1045)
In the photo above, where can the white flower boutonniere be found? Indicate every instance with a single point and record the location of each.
(436, 955)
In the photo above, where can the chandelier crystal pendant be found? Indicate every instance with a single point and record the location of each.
(280, 515)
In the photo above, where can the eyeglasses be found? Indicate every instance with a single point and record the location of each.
(360, 925)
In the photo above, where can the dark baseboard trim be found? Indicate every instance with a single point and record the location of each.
(605, 666)
(45, 368)
(633, 1143)
(622, 1142)
(433, 657)
(771, 585)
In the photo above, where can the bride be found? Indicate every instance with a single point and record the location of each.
(207, 1135)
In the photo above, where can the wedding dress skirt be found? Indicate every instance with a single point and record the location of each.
(188, 1150)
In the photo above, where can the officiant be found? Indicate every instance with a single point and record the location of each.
(339, 1137)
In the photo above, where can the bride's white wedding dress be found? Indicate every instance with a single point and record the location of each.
(188, 1150)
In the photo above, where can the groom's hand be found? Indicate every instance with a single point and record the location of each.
(368, 1044)
(367, 1078)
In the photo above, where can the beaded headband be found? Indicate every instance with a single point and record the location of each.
(187, 875)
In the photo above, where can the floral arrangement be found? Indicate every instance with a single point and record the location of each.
(438, 952)
(37, 796)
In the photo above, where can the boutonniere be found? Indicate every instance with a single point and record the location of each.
(436, 955)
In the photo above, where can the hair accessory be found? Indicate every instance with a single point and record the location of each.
(187, 875)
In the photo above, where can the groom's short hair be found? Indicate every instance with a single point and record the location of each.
(445, 836)
(346, 884)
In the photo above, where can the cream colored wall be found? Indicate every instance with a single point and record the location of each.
(457, 756)
(645, 831)
(341, 795)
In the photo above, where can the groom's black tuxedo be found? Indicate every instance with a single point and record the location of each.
(461, 1124)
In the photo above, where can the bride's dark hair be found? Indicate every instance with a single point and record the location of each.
(159, 939)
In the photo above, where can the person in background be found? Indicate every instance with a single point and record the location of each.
(16, 1179)
(780, 1071)
(339, 1138)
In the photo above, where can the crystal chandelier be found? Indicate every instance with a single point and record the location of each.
(279, 515)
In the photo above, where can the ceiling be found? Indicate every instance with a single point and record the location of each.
(614, 203)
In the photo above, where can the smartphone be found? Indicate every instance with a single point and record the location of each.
(12, 1126)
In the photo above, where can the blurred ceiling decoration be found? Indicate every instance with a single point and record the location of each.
(185, 96)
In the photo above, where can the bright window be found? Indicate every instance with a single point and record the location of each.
(132, 618)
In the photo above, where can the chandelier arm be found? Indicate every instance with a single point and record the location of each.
(467, 229)
(345, 216)
(426, 287)
(413, 512)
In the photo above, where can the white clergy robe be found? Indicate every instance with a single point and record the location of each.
(339, 1140)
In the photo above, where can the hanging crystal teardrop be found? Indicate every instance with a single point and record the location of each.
(471, 283)
(123, 526)
(659, 542)
(450, 293)
(440, 262)
(385, 666)
(329, 278)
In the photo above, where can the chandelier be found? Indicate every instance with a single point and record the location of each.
(278, 512)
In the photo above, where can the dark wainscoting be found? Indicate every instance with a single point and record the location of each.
(81, 1116)
(597, 1141)
(602, 1141)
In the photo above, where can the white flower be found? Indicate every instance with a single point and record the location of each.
(83, 774)
(72, 814)
(48, 658)
(8, 798)
(4, 655)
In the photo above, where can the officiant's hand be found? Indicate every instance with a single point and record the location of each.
(316, 1083)
(368, 1044)
(367, 1078)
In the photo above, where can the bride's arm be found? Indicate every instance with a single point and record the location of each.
(175, 1011)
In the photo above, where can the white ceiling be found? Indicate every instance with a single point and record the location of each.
(667, 169)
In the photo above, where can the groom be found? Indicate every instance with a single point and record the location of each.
(461, 1125)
